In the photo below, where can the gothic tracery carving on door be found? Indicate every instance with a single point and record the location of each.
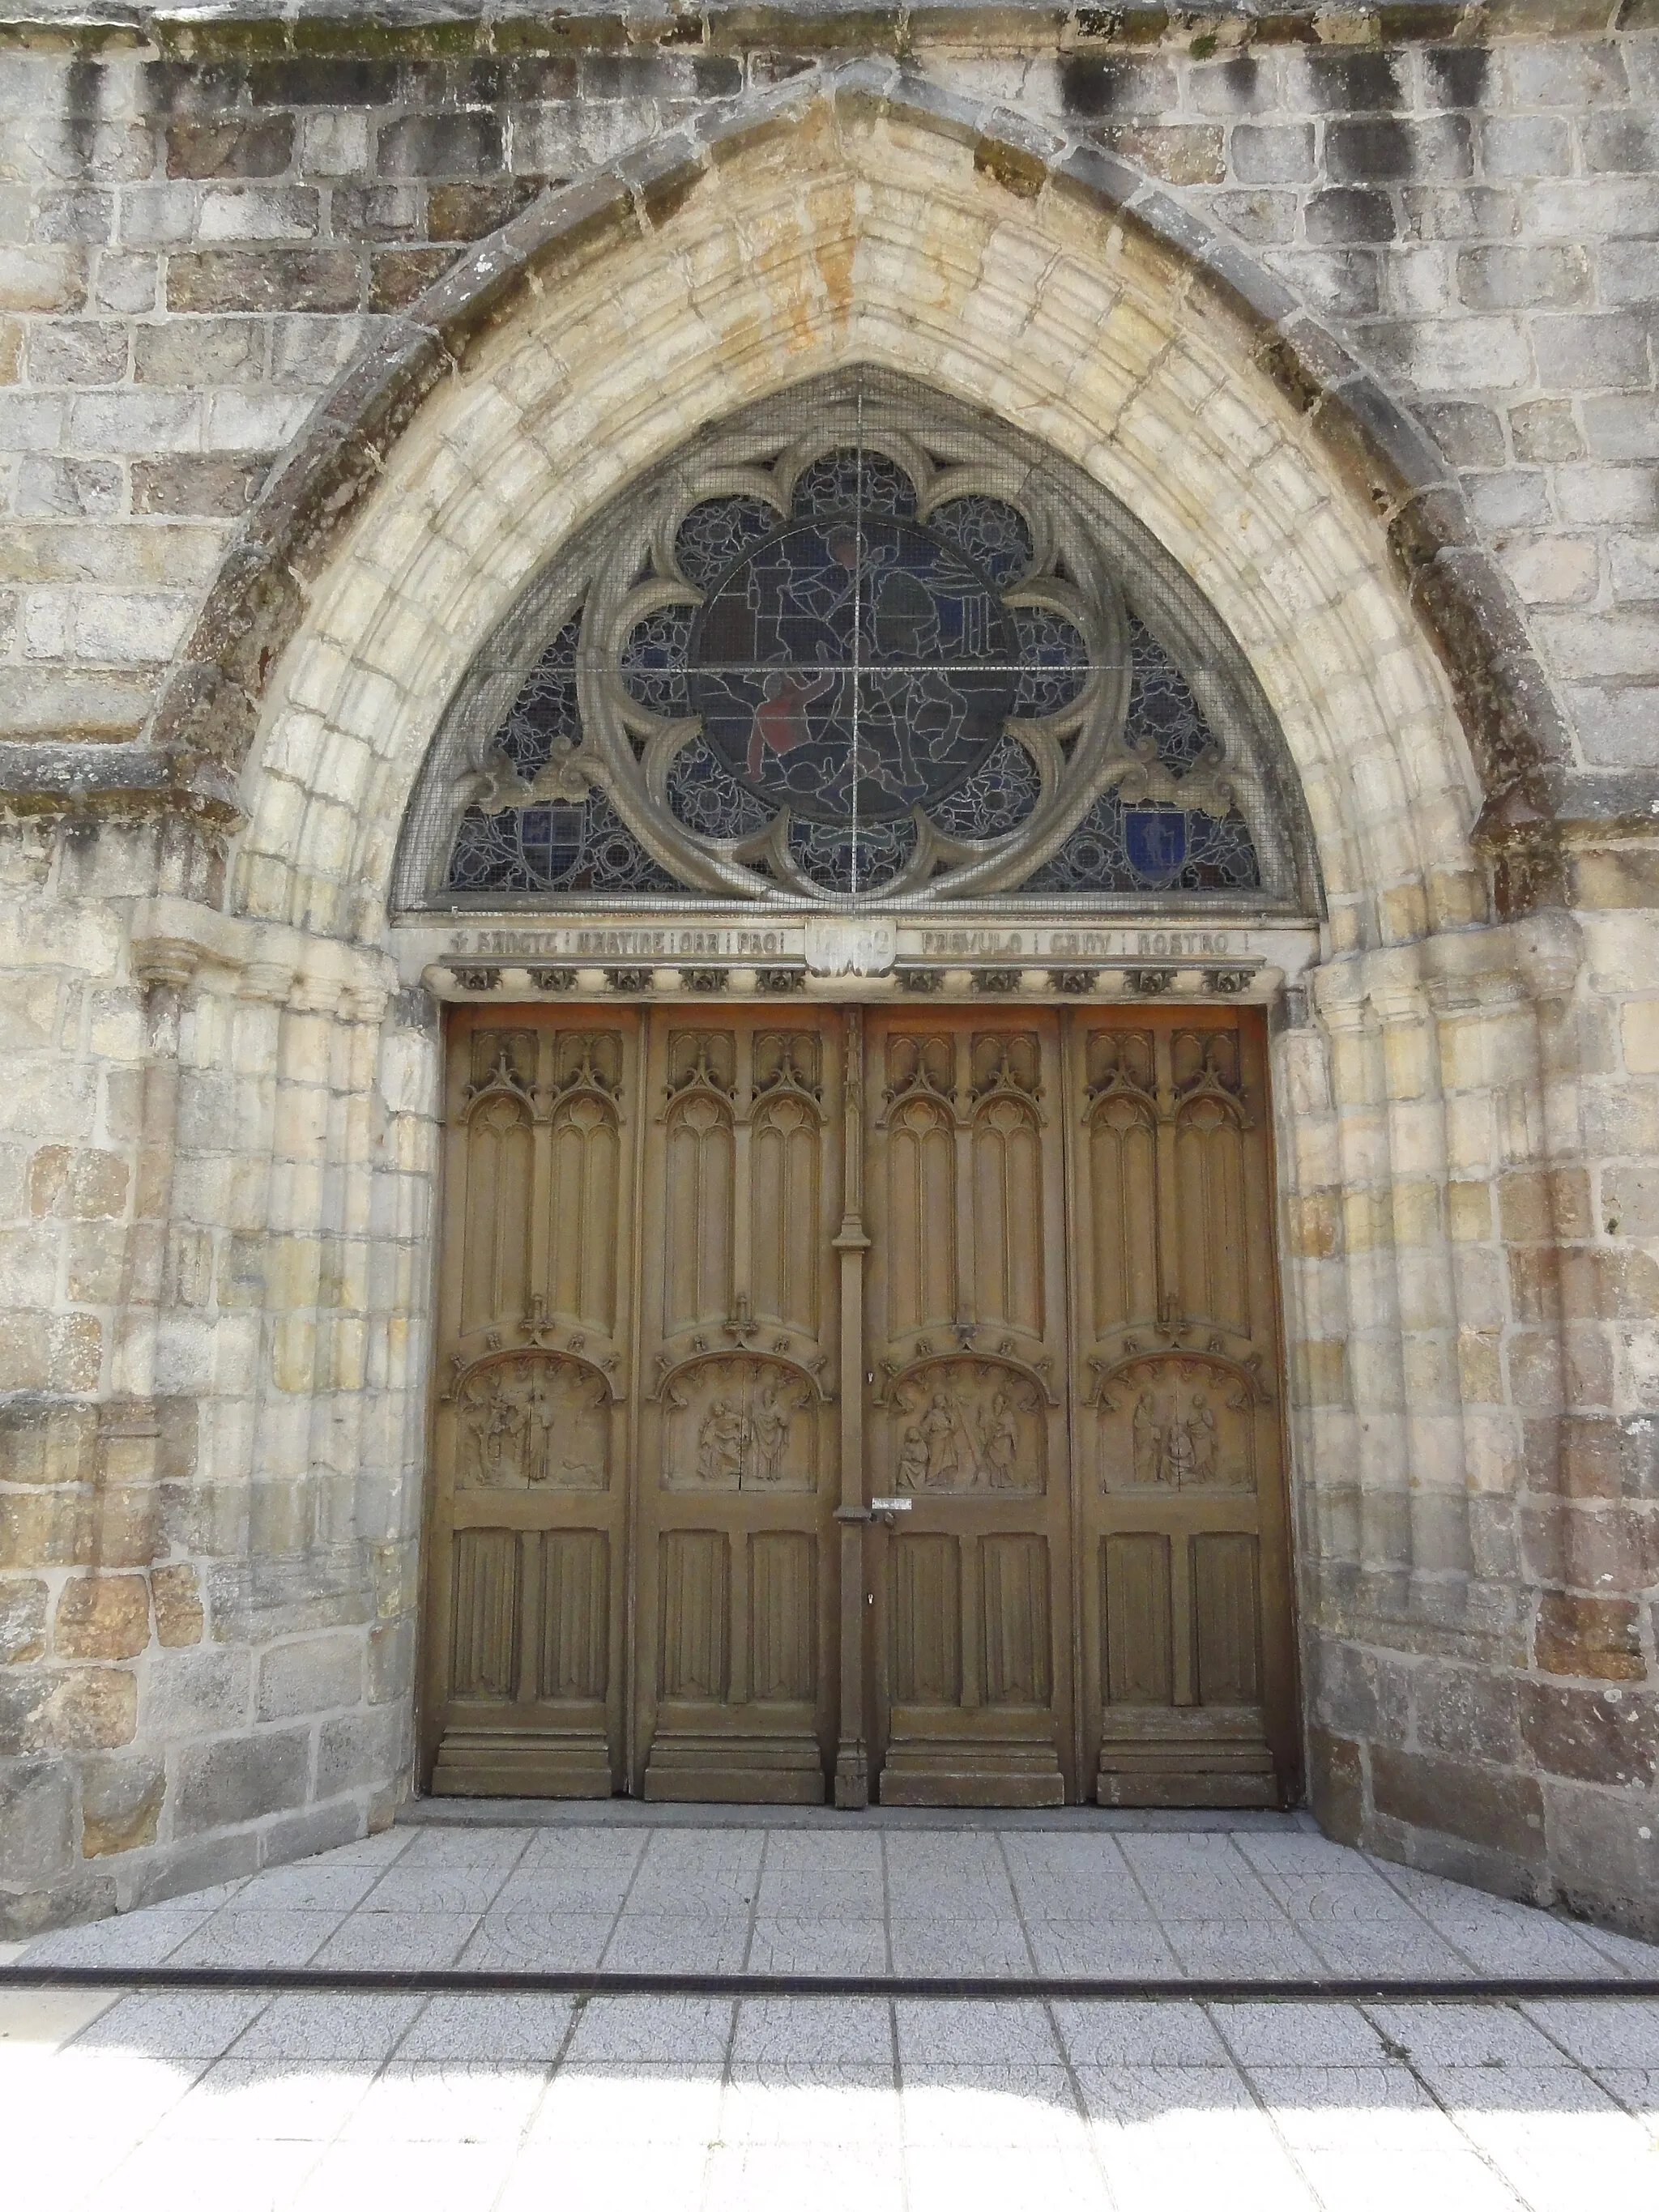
(1061, 1359)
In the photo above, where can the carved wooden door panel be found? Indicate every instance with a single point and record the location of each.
(735, 1553)
(526, 1551)
(966, 1327)
(1187, 1660)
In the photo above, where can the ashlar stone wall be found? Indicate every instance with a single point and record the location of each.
(1346, 309)
(202, 219)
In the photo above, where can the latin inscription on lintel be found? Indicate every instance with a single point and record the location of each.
(832, 945)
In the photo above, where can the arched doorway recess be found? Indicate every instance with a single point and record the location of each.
(907, 856)
(863, 231)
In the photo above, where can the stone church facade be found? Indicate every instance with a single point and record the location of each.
(440, 450)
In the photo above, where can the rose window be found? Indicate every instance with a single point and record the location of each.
(864, 648)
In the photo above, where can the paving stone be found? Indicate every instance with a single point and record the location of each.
(199, 2024)
(462, 2027)
(448, 2101)
(633, 2101)
(973, 2032)
(251, 2102)
(782, 2033)
(234, 1937)
(555, 1943)
(398, 1939)
(1296, 2035)
(325, 2030)
(652, 2029)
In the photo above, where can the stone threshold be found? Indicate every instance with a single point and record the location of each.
(634, 1813)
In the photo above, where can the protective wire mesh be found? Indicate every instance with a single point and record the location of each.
(864, 636)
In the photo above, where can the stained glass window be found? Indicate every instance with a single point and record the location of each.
(856, 645)
(1156, 845)
(557, 847)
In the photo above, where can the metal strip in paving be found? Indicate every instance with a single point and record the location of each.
(437, 1980)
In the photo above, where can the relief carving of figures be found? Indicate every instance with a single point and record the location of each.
(733, 1424)
(966, 1425)
(534, 1420)
(1175, 1424)
(723, 1438)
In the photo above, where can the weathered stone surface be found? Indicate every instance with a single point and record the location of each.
(23, 1619)
(317, 1675)
(95, 1709)
(37, 1814)
(175, 1592)
(1598, 1637)
(86, 1185)
(120, 1804)
(1501, 1812)
(223, 1784)
(102, 1617)
(1606, 1736)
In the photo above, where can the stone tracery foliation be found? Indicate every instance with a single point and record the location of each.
(851, 668)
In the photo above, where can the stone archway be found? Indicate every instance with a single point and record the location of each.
(885, 226)
(863, 231)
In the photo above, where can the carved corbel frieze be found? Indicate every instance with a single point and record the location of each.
(897, 1375)
(806, 1366)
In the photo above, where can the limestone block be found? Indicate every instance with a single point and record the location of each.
(102, 1617)
(77, 1184)
(361, 1750)
(23, 1604)
(93, 1709)
(37, 1814)
(317, 1673)
(175, 1594)
(120, 1804)
(190, 1693)
(1499, 1811)
(240, 1778)
(1639, 1027)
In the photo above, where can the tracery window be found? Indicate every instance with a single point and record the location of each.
(858, 645)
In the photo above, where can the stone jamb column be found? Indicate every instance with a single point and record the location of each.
(164, 967)
(1376, 1376)
(1436, 1499)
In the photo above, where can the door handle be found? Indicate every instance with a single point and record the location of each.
(885, 1510)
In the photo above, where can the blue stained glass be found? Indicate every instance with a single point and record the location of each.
(994, 536)
(653, 661)
(717, 532)
(1155, 839)
(853, 858)
(1160, 703)
(1055, 661)
(546, 707)
(995, 799)
(1119, 848)
(849, 481)
(586, 848)
(853, 666)
(706, 798)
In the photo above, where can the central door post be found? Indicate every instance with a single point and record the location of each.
(852, 1756)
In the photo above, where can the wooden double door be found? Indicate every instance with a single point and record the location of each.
(718, 1282)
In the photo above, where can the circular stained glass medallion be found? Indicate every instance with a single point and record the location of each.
(853, 666)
